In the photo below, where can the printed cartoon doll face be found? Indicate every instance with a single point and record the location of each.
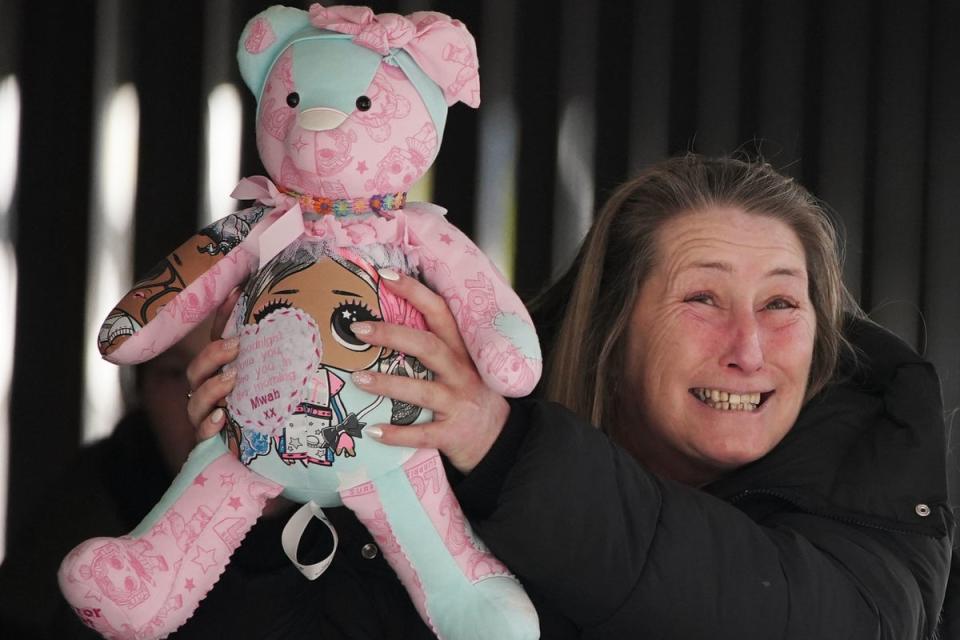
(168, 279)
(335, 297)
(119, 575)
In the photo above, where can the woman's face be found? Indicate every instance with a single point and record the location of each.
(719, 345)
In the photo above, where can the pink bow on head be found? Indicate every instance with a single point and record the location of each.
(441, 46)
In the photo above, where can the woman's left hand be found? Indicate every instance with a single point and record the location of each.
(467, 415)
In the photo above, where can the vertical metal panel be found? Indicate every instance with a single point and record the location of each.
(781, 84)
(169, 76)
(455, 169)
(51, 241)
(896, 233)
(537, 95)
(941, 265)
(9, 151)
(650, 87)
(114, 153)
(223, 112)
(494, 228)
(843, 101)
(685, 58)
(574, 188)
(613, 101)
(718, 78)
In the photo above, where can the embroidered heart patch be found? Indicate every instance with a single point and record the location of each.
(276, 357)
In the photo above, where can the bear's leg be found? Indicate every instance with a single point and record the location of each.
(456, 584)
(147, 583)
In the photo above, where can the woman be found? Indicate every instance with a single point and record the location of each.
(752, 477)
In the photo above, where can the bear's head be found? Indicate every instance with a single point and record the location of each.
(351, 104)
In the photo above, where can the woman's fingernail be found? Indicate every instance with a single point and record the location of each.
(374, 432)
(362, 378)
(217, 416)
(361, 328)
(388, 274)
(230, 344)
(229, 375)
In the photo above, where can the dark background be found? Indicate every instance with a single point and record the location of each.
(858, 100)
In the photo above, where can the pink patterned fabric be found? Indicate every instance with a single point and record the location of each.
(147, 587)
(480, 298)
(441, 46)
(198, 300)
(260, 38)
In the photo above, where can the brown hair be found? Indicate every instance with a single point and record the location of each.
(597, 294)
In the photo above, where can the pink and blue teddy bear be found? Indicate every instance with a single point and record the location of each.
(351, 108)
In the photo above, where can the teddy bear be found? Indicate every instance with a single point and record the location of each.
(351, 107)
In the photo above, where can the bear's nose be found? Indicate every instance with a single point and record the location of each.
(321, 119)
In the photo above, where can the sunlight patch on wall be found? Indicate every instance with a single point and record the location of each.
(223, 131)
(9, 147)
(117, 140)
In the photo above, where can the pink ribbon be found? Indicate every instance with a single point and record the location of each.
(262, 189)
(285, 222)
(441, 46)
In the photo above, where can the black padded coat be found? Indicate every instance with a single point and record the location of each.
(844, 530)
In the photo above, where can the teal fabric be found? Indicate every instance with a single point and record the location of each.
(495, 607)
(522, 334)
(198, 460)
(330, 71)
(429, 91)
(284, 22)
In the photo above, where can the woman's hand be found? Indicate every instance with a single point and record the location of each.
(209, 388)
(467, 415)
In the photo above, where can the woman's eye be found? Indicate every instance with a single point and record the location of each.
(343, 316)
(779, 304)
(704, 298)
(269, 308)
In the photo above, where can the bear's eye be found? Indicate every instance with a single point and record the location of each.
(363, 103)
(293, 99)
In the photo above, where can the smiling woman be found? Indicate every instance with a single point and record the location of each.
(767, 463)
(725, 312)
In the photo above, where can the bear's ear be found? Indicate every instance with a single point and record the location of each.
(263, 39)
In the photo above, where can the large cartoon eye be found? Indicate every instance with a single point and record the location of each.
(269, 308)
(343, 316)
(363, 103)
(293, 99)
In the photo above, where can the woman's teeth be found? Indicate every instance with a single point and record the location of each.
(728, 401)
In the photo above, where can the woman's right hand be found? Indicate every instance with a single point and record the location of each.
(209, 385)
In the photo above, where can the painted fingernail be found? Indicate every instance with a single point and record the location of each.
(362, 378)
(231, 344)
(229, 375)
(217, 416)
(388, 274)
(374, 432)
(361, 328)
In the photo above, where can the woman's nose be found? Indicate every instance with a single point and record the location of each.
(744, 350)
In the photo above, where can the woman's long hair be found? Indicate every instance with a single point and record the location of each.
(596, 296)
